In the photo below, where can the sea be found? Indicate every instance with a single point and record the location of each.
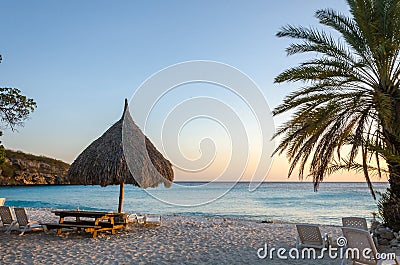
(270, 201)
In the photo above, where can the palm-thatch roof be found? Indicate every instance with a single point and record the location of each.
(123, 154)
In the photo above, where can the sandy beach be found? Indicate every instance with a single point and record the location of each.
(179, 240)
(234, 121)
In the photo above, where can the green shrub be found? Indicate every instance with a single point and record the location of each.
(389, 209)
(7, 170)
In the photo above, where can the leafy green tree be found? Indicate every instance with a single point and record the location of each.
(14, 107)
(348, 95)
(14, 110)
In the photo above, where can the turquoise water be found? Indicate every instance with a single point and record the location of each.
(293, 202)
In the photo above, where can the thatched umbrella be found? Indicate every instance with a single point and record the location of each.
(122, 155)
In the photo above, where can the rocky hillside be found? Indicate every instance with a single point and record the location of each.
(27, 169)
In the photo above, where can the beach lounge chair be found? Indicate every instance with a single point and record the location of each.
(361, 240)
(7, 219)
(355, 222)
(310, 236)
(2, 200)
(135, 218)
(146, 220)
(24, 223)
(152, 220)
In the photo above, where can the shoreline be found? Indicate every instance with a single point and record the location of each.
(179, 240)
(210, 216)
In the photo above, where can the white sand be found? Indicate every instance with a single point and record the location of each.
(179, 240)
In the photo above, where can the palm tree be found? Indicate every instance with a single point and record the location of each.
(349, 96)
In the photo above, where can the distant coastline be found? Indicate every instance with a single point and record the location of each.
(26, 169)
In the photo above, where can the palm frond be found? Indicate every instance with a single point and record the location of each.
(351, 96)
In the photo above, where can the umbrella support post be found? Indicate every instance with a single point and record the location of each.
(121, 197)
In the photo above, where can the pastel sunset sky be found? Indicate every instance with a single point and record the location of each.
(80, 59)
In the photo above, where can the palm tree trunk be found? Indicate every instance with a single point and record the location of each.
(394, 180)
(391, 132)
(389, 205)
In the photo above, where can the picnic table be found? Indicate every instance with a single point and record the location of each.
(90, 221)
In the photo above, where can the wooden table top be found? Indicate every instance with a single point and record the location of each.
(89, 214)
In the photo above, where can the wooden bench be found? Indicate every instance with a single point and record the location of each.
(91, 223)
(87, 227)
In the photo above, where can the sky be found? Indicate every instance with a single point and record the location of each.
(79, 60)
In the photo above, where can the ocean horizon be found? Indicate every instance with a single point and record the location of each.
(271, 201)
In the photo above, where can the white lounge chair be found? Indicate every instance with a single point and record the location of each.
(152, 220)
(355, 222)
(24, 223)
(309, 236)
(2, 200)
(361, 240)
(135, 218)
(7, 219)
(146, 220)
